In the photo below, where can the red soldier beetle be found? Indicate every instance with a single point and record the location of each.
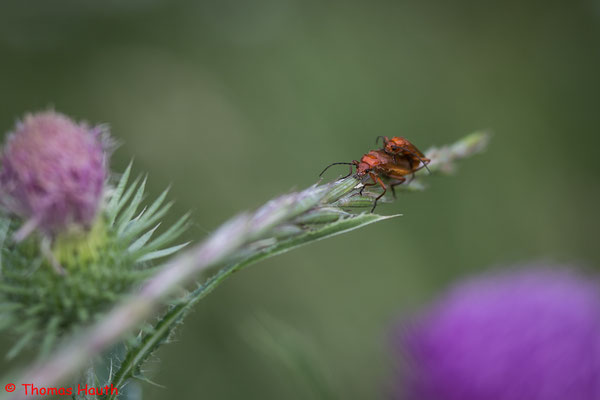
(401, 147)
(379, 165)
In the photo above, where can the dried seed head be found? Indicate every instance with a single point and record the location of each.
(53, 172)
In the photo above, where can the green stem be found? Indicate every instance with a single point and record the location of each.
(150, 341)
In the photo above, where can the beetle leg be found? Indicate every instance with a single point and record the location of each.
(399, 181)
(368, 184)
(385, 140)
(364, 186)
(378, 181)
(412, 168)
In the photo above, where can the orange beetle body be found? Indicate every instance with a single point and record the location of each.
(393, 162)
(378, 162)
(378, 165)
(401, 147)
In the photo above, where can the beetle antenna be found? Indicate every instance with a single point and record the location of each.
(418, 157)
(380, 137)
(335, 163)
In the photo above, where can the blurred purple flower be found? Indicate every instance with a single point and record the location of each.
(53, 172)
(524, 335)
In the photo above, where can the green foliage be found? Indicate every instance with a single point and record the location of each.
(314, 214)
(100, 265)
(149, 341)
(301, 358)
(282, 224)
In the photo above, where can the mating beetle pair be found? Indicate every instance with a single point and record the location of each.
(393, 162)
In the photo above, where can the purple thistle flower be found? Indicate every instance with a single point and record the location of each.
(525, 335)
(53, 173)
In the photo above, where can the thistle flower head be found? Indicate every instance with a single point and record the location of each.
(530, 335)
(100, 266)
(53, 172)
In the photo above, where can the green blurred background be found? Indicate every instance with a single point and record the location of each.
(235, 102)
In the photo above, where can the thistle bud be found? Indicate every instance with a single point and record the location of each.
(53, 173)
